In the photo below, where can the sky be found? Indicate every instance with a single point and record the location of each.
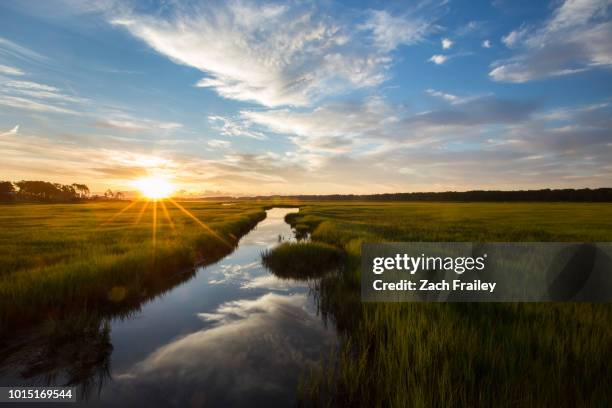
(298, 97)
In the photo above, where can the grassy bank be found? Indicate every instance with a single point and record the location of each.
(107, 256)
(302, 260)
(497, 354)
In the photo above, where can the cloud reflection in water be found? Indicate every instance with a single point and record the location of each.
(254, 352)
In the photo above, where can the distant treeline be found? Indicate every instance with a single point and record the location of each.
(29, 190)
(44, 191)
(568, 195)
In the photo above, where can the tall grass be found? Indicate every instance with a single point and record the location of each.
(302, 260)
(496, 354)
(60, 258)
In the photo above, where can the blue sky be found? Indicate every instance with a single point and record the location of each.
(308, 97)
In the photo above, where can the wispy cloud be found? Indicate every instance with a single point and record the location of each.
(246, 57)
(37, 96)
(317, 81)
(490, 140)
(513, 37)
(389, 31)
(8, 70)
(234, 127)
(13, 131)
(37, 90)
(375, 123)
(446, 96)
(576, 38)
(29, 104)
(219, 144)
(126, 122)
(12, 50)
(471, 27)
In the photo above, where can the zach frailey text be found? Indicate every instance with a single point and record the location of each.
(427, 285)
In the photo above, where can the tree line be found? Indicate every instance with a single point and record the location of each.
(567, 195)
(44, 191)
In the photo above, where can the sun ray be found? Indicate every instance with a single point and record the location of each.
(141, 213)
(167, 214)
(124, 209)
(154, 226)
(193, 217)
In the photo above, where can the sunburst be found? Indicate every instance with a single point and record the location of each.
(154, 187)
(154, 191)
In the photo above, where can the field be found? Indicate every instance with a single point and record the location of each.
(107, 256)
(496, 354)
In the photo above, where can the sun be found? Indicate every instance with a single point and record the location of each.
(154, 187)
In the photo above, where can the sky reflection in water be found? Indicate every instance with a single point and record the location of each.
(234, 335)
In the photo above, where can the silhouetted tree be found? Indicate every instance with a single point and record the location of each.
(7, 191)
(6, 187)
(108, 193)
(45, 191)
(82, 189)
(569, 195)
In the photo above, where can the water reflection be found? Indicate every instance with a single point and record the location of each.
(250, 355)
(73, 352)
(230, 334)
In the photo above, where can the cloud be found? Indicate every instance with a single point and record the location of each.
(358, 127)
(234, 127)
(576, 38)
(438, 59)
(246, 55)
(125, 122)
(390, 31)
(13, 131)
(446, 43)
(28, 94)
(38, 91)
(9, 49)
(337, 140)
(349, 147)
(514, 36)
(7, 70)
(29, 85)
(24, 103)
(335, 127)
(471, 27)
(476, 112)
(446, 96)
(37, 96)
(221, 144)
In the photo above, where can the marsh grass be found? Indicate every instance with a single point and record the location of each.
(302, 260)
(485, 354)
(55, 259)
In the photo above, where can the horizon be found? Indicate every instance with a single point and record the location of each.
(371, 98)
(140, 194)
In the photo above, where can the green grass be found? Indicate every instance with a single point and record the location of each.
(55, 259)
(487, 354)
(302, 260)
(60, 258)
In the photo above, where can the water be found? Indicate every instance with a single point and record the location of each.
(234, 335)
